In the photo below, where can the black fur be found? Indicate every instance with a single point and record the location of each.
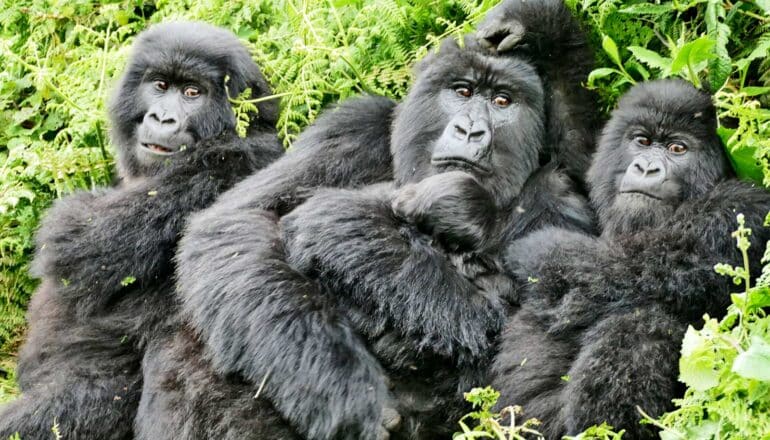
(610, 312)
(545, 33)
(105, 255)
(347, 341)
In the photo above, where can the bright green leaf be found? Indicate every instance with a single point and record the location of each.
(754, 363)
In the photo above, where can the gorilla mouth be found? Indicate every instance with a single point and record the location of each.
(642, 193)
(459, 162)
(158, 149)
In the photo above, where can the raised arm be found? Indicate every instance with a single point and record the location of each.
(86, 245)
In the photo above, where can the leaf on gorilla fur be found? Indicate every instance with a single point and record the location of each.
(754, 363)
(696, 366)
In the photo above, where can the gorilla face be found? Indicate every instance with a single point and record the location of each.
(173, 94)
(473, 112)
(659, 149)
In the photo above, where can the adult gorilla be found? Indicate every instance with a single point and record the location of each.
(403, 277)
(104, 256)
(610, 312)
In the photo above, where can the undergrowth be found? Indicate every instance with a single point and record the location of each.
(60, 59)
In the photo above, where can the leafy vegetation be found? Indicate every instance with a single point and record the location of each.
(60, 59)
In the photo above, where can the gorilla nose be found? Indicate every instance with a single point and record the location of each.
(472, 132)
(644, 175)
(162, 121)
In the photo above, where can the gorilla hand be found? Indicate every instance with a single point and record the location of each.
(500, 35)
(451, 206)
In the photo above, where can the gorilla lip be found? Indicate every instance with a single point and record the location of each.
(641, 193)
(158, 149)
(460, 162)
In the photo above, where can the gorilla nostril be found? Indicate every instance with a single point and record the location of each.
(476, 136)
(168, 121)
(461, 131)
(651, 171)
(638, 167)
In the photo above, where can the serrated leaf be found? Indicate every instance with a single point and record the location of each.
(647, 9)
(651, 58)
(609, 46)
(754, 363)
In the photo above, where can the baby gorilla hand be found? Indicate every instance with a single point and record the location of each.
(451, 206)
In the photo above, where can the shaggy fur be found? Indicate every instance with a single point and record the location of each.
(315, 312)
(105, 256)
(610, 312)
(545, 33)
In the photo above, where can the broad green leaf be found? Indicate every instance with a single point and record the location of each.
(696, 366)
(755, 91)
(602, 72)
(609, 46)
(647, 9)
(754, 363)
(651, 58)
(693, 53)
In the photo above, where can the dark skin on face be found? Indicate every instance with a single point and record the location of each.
(172, 102)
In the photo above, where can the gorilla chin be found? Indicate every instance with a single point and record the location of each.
(634, 211)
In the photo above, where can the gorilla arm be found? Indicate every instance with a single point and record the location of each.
(347, 146)
(672, 264)
(262, 319)
(357, 245)
(87, 246)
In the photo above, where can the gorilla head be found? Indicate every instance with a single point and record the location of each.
(473, 112)
(659, 149)
(173, 94)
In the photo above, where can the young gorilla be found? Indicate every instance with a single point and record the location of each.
(610, 312)
(412, 266)
(105, 256)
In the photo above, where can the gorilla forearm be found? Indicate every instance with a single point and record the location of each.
(347, 146)
(267, 322)
(355, 244)
(671, 265)
(92, 242)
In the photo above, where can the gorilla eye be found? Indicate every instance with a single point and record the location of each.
(192, 92)
(161, 85)
(502, 101)
(463, 91)
(677, 148)
(643, 140)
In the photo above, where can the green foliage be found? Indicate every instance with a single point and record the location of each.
(60, 59)
(719, 45)
(726, 366)
(490, 424)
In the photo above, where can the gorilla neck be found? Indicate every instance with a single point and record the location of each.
(633, 213)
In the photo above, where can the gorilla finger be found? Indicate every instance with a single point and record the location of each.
(391, 419)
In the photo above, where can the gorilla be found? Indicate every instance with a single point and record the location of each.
(105, 256)
(361, 313)
(610, 312)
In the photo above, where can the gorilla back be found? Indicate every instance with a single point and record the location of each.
(104, 256)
